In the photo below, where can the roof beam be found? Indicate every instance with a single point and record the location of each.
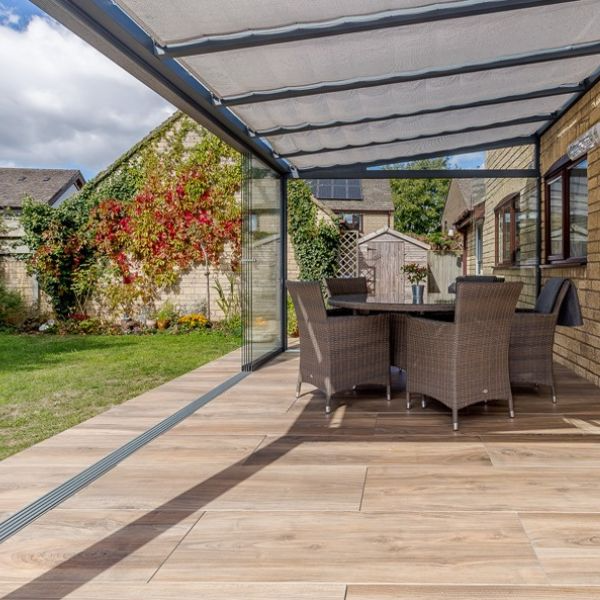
(505, 143)
(417, 173)
(548, 92)
(345, 25)
(520, 121)
(516, 60)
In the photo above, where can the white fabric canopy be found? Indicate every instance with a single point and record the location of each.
(467, 46)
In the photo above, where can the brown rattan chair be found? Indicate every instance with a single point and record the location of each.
(532, 340)
(464, 362)
(338, 353)
(347, 285)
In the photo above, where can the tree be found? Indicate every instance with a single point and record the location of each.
(419, 203)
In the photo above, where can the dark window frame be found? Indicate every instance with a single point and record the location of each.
(563, 171)
(508, 205)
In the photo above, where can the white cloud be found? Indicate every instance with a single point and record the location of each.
(8, 16)
(63, 104)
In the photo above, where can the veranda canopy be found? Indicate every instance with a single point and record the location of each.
(339, 83)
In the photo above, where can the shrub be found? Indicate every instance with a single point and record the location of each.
(13, 311)
(193, 321)
(166, 315)
(315, 242)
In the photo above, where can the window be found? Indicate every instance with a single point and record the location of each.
(478, 247)
(352, 221)
(507, 235)
(336, 189)
(567, 213)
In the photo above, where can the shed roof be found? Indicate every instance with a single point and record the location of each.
(43, 185)
(308, 85)
(388, 231)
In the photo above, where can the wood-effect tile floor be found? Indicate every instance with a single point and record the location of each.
(261, 496)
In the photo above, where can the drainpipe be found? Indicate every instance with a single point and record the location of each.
(538, 218)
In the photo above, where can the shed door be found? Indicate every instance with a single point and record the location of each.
(385, 261)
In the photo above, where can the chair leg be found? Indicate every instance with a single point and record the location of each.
(298, 384)
(455, 419)
(423, 401)
(511, 405)
(554, 398)
(328, 404)
(408, 405)
(388, 392)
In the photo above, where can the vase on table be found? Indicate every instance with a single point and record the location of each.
(417, 293)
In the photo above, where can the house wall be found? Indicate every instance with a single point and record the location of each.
(579, 348)
(372, 221)
(496, 191)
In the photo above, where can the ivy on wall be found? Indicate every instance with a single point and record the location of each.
(315, 241)
(174, 196)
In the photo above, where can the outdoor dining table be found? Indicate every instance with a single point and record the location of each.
(369, 302)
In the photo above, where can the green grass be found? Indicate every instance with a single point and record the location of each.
(49, 383)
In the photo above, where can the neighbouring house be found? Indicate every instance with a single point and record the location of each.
(48, 186)
(363, 205)
(463, 215)
(570, 226)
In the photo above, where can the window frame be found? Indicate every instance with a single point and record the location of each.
(478, 245)
(353, 214)
(508, 204)
(562, 171)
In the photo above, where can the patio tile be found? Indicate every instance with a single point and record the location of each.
(544, 454)
(367, 450)
(567, 546)
(207, 487)
(480, 488)
(471, 592)
(355, 548)
(178, 591)
(257, 423)
(78, 545)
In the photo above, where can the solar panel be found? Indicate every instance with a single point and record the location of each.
(336, 189)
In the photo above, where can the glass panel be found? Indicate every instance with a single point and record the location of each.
(261, 262)
(506, 221)
(527, 224)
(353, 222)
(578, 210)
(556, 216)
(479, 247)
(500, 236)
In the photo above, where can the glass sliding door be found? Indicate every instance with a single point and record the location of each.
(263, 230)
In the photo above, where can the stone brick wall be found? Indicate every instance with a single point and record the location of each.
(14, 276)
(372, 221)
(497, 190)
(579, 348)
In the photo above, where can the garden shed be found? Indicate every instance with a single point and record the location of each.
(382, 256)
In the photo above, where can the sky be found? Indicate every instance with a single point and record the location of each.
(64, 105)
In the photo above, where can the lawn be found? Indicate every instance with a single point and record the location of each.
(49, 383)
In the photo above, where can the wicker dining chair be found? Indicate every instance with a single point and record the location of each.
(532, 341)
(466, 361)
(338, 353)
(347, 285)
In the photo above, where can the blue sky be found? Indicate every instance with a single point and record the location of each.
(64, 105)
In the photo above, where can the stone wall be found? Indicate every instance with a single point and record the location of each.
(496, 191)
(373, 221)
(579, 348)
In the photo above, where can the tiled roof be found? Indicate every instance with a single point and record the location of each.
(43, 185)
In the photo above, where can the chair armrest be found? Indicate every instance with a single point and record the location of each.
(358, 330)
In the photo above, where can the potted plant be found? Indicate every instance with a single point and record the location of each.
(416, 274)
